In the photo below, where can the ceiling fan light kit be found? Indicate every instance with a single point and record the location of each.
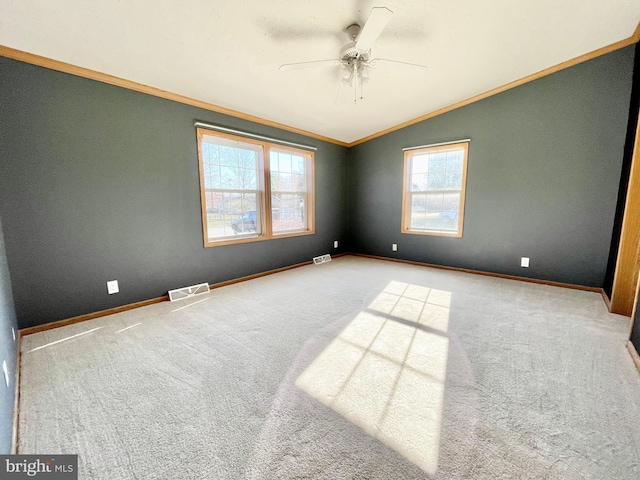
(355, 57)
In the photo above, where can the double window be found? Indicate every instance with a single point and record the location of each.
(253, 190)
(434, 189)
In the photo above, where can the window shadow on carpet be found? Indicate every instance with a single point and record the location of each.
(386, 371)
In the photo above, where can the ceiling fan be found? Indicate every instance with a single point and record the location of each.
(355, 57)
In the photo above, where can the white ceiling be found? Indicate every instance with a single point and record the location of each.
(228, 52)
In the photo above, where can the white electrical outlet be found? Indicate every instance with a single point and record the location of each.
(5, 369)
(524, 262)
(335, 244)
(112, 287)
(394, 247)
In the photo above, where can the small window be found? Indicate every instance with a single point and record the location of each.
(434, 189)
(253, 190)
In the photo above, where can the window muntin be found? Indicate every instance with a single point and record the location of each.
(247, 198)
(434, 190)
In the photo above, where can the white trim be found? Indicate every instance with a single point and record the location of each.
(466, 140)
(251, 135)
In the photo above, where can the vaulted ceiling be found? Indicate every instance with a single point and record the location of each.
(227, 53)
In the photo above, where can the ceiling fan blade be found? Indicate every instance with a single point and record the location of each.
(314, 64)
(343, 94)
(378, 19)
(413, 66)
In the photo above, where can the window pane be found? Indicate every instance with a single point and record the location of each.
(450, 211)
(420, 164)
(211, 176)
(284, 162)
(230, 164)
(297, 164)
(418, 211)
(241, 176)
(434, 210)
(280, 181)
(454, 181)
(451, 201)
(274, 161)
(288, 212)
(435, 201)
(419, 182)
(298, 183)
(230, 214)
(437, 162)
(437, 180)
(455, 160)
(287, 172)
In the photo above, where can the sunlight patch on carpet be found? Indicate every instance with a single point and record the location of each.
(66, 339)
(386, 371)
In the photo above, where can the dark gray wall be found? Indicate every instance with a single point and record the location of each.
(635, 332)
(542, 182)
(632, 124)
(7, 351)
(100, 183)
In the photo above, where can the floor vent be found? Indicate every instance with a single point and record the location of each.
(322, 259)
(188, 292)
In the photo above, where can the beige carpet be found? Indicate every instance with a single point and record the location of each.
(357, 368)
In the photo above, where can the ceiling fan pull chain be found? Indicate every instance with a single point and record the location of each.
(355, 81)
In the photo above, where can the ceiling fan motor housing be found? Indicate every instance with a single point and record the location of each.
(349, 51)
